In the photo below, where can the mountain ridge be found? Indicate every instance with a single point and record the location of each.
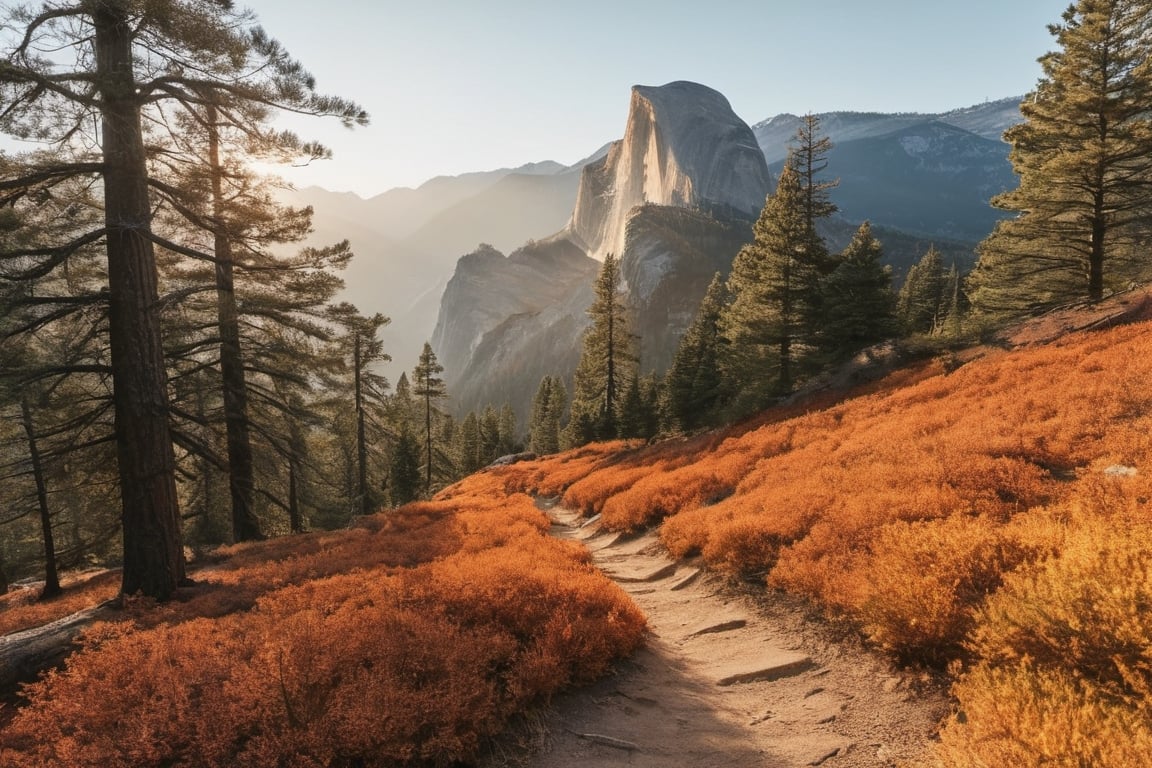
(407, 240)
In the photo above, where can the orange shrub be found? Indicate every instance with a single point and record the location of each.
(921, 581)
(905, 505)
(408, 640)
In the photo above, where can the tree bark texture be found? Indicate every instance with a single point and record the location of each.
(153, 548)
(245, 524)
(51, 576)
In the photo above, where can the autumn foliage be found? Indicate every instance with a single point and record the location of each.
(408, 640)
(22, 609)
(994, 516)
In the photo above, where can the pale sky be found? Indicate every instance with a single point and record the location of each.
(458, 85)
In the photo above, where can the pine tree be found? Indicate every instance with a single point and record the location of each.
(547, 410)
(955, 305)
(402, 406)
(129, 61)
(1084, 158)
(489, 434)
(468, 458)
(631, 420)
(55, 405)
(640, 409)
(921, 302)
(693, 383)
(428, 387)
(206, 192)
(363, 350)
(774, 283)
(508, 442)
(404, 469)
(606, 363)
(809, 156)
(859, 305)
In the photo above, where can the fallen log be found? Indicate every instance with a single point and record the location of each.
(24, 654)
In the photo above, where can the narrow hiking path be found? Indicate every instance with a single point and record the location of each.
(729, 681)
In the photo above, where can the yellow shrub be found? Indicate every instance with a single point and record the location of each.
(1064, 670)
(925, 579)
(1087, 612)
(1026, 716)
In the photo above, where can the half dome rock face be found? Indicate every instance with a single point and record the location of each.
(683, 147)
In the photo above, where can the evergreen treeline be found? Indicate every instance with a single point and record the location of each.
(787, 311)
(174, 367)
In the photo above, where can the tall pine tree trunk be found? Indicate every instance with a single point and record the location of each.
(608, 423)
(428, 438)
(361, 433)
(295, 519)
(245, 524)
(296, 452)
(153, 547)
(51, 576)
(1096, 254)
(784, 385)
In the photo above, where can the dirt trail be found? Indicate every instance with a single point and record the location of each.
(729, 681)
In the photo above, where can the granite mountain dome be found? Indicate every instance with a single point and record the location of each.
(673, 199)
(683, 147)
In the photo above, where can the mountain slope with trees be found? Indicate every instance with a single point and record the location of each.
(989, 516)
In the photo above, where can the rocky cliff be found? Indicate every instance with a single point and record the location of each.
(684, 147)
(670, 256)
(407, 241)
(490, 294)
(673, 199)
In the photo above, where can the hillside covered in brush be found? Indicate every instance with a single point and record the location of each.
(983, 513)
(989, 519)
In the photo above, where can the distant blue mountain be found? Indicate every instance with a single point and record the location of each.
(927, 175)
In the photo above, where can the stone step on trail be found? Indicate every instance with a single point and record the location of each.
(644, 544)
(601, 541)
(717, 625)
(685, 579)
(768, 665)
(639, 569)
(718, 685)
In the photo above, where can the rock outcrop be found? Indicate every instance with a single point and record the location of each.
(670, 256)
(407, 241)
(506, 322)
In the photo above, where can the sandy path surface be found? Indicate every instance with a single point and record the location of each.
(727, 680)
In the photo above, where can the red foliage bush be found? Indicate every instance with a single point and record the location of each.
(406, 641)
